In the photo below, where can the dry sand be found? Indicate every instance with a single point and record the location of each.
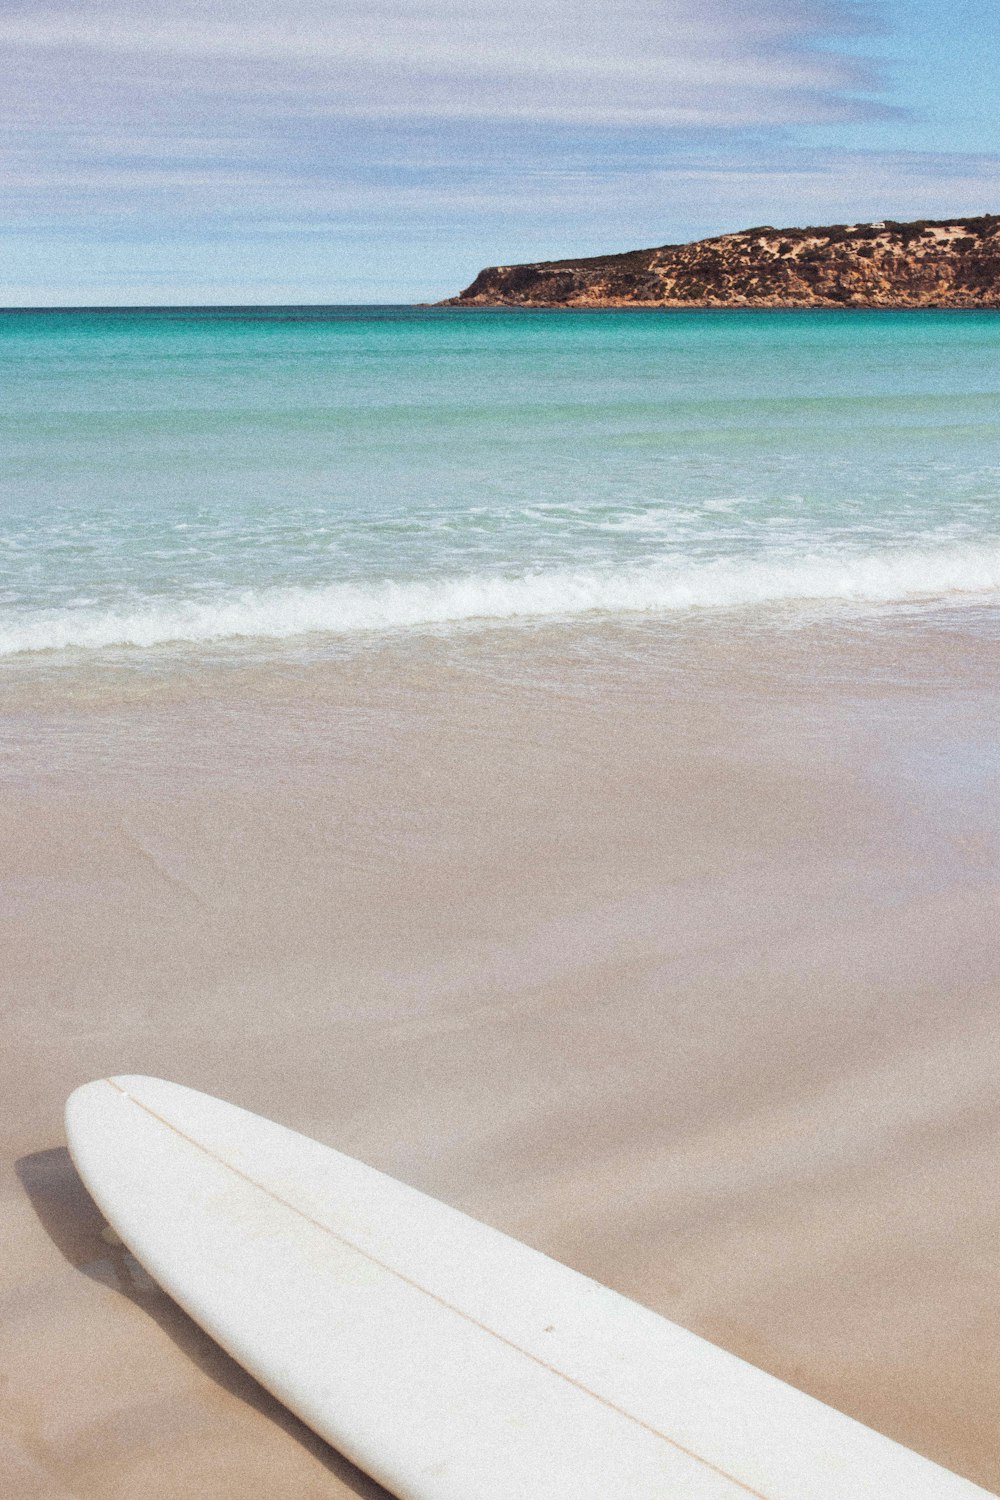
(671, 952)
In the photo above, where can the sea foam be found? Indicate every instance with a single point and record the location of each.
(341, 609)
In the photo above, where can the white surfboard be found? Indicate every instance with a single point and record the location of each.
(447, 1360)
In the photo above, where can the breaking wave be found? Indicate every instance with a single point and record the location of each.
(340, 609)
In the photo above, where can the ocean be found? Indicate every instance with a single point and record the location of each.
(241, 477)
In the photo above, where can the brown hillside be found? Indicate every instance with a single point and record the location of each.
(928, 263)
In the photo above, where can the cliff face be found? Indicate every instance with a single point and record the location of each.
(942, 263)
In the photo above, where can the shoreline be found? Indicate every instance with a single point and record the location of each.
(734, 304)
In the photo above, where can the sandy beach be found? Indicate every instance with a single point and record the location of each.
(670, 950)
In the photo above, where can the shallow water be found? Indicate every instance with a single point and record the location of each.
(270, 474)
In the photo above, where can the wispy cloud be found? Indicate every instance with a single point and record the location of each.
(652, 62)
(110, 92)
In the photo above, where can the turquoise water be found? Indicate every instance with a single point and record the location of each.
(262, 474)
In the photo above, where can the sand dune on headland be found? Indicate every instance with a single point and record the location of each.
(674, 955)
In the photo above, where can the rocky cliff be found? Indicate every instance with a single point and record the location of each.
(929, 263)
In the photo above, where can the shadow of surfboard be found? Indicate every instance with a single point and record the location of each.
(75, 1225)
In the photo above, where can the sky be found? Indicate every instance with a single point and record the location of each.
(333, 151)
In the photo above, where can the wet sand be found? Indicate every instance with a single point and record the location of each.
(670, 950)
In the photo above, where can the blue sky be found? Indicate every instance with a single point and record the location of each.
(337, 151)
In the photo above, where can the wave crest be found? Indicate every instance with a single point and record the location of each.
(342, 609)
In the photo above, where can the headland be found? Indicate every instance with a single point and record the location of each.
(925, 263)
